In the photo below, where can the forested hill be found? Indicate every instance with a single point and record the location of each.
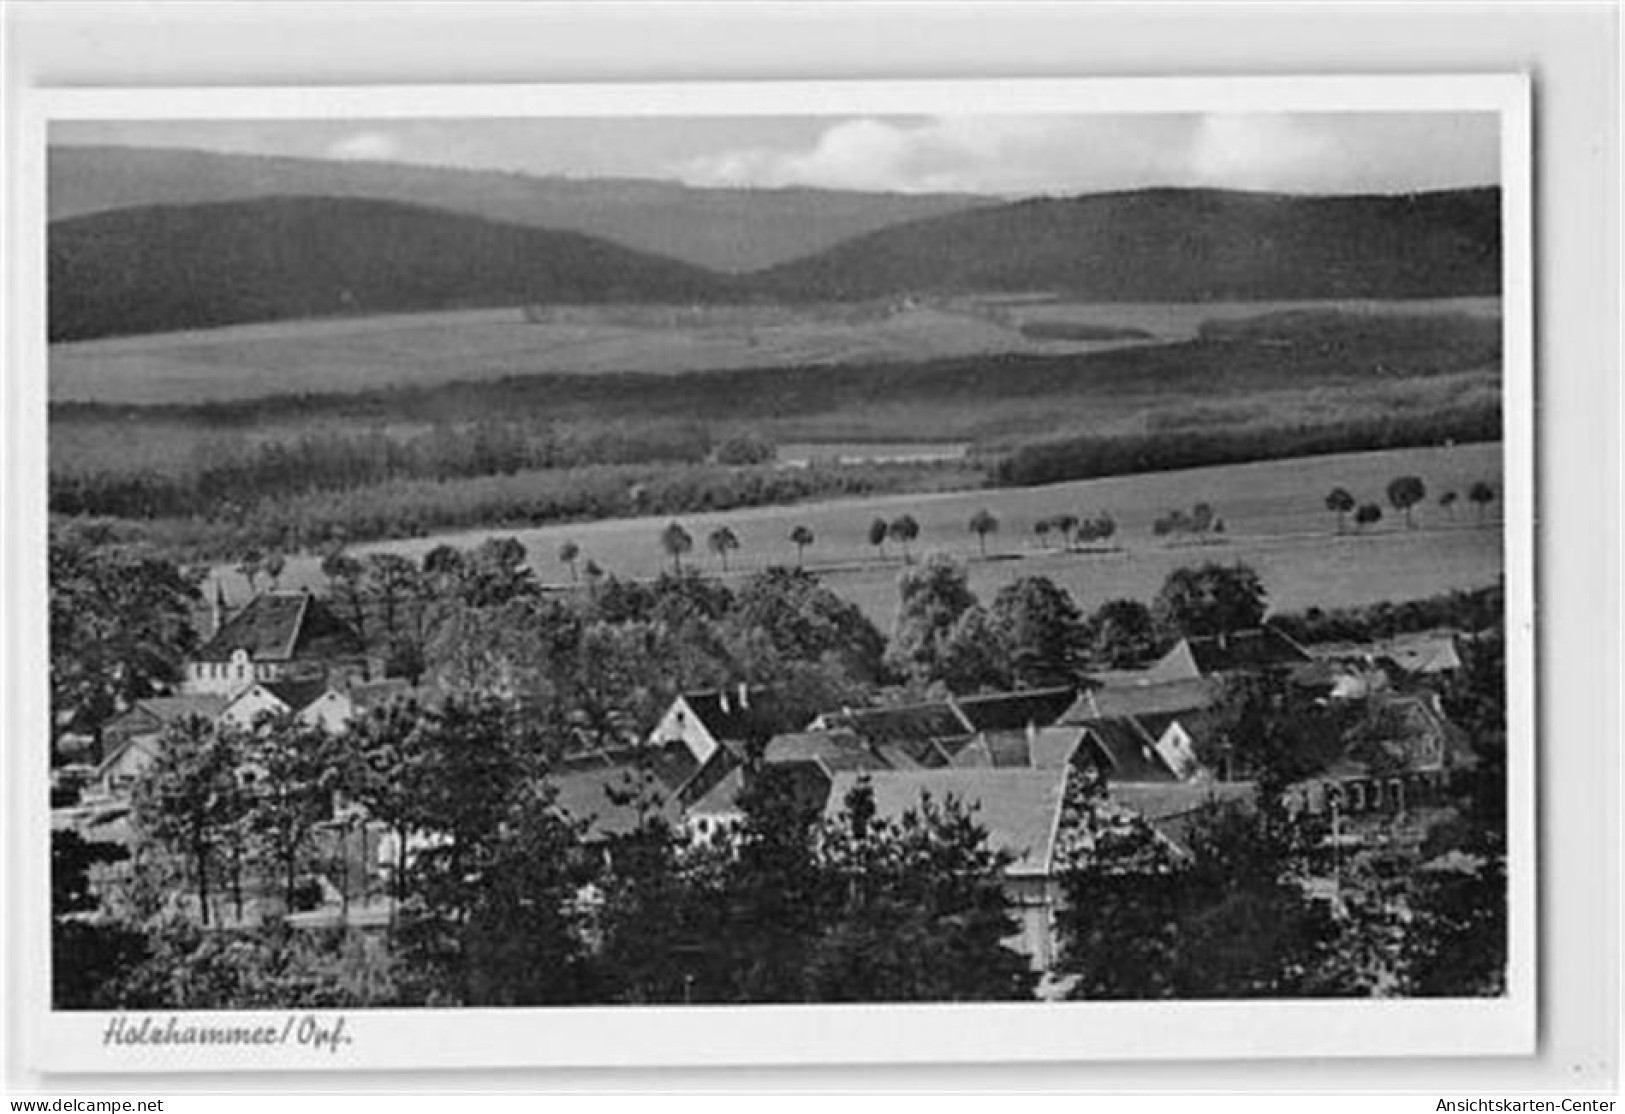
(169, 267)
(723, 229)
(1175, 245)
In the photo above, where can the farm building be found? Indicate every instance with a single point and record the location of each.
(1019, 809)
(1251, 651)
(277, 636)
(703, 721)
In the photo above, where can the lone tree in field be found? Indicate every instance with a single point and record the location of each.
(1404, 493)
(568, 552)
(1368, 514)
(1482, 495)
(1447, 502)
(904, 529)
(722, 541)
(983, 523)
(878, 530)
(801, 537)
(1340, 503)
(676, 541)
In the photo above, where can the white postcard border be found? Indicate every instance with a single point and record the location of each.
(58, 1041)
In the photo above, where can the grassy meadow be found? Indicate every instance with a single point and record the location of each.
(336, 355)
(1274, 514)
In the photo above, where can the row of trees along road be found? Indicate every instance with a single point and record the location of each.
(1405, 493)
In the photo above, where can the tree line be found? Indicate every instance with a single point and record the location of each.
(1085, 458)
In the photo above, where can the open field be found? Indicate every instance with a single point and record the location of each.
(1274, 515)
(355, 354)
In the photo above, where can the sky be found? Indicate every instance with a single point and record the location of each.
(1007, 155)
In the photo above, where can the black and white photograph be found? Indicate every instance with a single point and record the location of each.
(1066, 546)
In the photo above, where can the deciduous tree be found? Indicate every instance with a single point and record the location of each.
(676, 541)
(1038, 626)
(1210, 599)
(983, 523)
(1404, 493)
(1340, 503)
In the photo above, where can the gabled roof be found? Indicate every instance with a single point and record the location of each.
(1019, 809)
(722, 799)
(838, 749)
(1423, 653)
(297, 695)
(1237, 652)
(913, 754)
(1187, 695)
(742, 714)
(1174, 809)
(910, 723)
(808, 781)
(134, 745)
(1007, 711)
(1130, 750)
(1048, 748)
(1402, 722)
(283, 626)
(165, 710)
(611, 792)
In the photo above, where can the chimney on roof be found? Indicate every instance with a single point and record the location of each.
(217, 610)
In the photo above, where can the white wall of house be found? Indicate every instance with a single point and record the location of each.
(681, 724)
(1179, 752)
(120, 773)
(1033, 901)
(332, 711)
(254, 702)
(222, 678)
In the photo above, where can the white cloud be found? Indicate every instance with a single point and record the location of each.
(1030, 155)
(365, 146)
(1262, 152)
(989, 154)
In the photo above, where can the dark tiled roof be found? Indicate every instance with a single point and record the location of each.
(912, 754)
(1019, 809)
(1130, 751)
(748, 715)
(910, 723)
(297, 695)
(283, 626)
(722, 798)
(1010, 711)
(1048, 748)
